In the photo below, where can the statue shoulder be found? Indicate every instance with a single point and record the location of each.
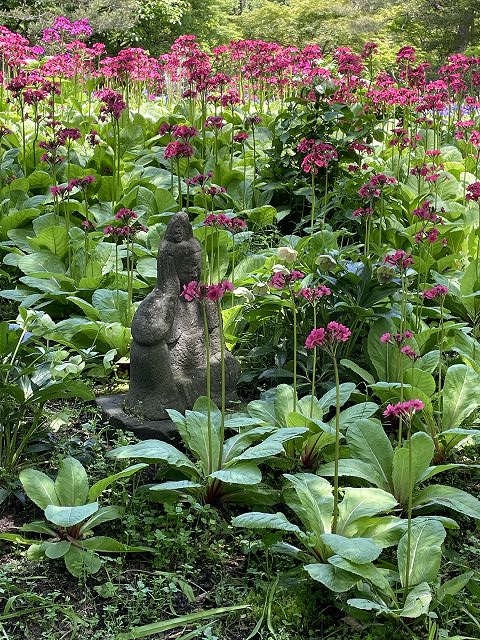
(154, 318)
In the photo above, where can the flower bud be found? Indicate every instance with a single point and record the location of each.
(287, 254)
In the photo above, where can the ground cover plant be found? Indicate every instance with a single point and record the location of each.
(337, 202)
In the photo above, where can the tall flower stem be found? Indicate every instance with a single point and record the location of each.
(294, 310)
(314, 366)
(312, 214)
(409, 508)
(337, 443)
(209, 386)
(223, 386)
(179, 179)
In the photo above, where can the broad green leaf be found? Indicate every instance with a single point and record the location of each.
(367, 571)
(55, 239)
(354, 469)
(175, 485)
(365, 375)
(69, 516)
(39, 526)
(312, 502)
(271, 446)
(367, 605)
(71, 484)
(57, 549)
(460, 395)
(426, 541)
(41, 263)
(358, 550)
(359, 503)
(450, 497)
(239, 474)
(197, 440)
(104, 514)
(283, 404)
(328, 400)
(238, 443)
(259, 520)
(421, 456)
(350, 416)
(156, 451)
(80, 562)
(368, 441)
(417, 601)
(335, 579)
(38, 487)
(454, 585)
(101, 485)
(105, 544)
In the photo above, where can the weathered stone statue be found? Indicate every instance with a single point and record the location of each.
(168, 359)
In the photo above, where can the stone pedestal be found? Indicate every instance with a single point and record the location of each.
(112, 409)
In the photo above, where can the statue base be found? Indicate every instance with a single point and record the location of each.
(112, 410)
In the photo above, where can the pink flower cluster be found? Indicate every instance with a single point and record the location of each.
(399, 259)
(318, 154)
(184, 132)
(312, 294)
(196, 291)
(435, 292)
(398, 337)
(178, 149)
(329, 337)
(473, 192)
(113, 103)
(222, 221)
(281, 280)
(403, 409)
(373, 188)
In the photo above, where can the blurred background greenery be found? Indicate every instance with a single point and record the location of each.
(435, 27)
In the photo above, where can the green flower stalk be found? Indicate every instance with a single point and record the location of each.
(329, 339)
(405, 411)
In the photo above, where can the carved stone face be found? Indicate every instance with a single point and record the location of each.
(188, 261)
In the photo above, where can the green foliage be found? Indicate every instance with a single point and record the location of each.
(69, 518)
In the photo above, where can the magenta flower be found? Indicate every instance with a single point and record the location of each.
(405, 409)
(280, 280)
(113, 103)
(316, 338)
(184, 132)
(328, 338)
(125, 215)
(177, 149)
(435, 292)
(409, 352)
(399, 259)
(191, 291)
(240, 137)
(386, 337)
(312, 294)
(473, 192)
(195, 291)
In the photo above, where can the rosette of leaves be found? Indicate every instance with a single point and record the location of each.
(232, 477)
(72, 512)
(280, 408)
(339, 560)
(374, 461)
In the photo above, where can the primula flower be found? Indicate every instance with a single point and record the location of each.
(214, 122)
(184, 131)
(177, 149)
(240, 137)
(283, 278)
(473, 192)
(409, 352)
(404, 409)
(328, 338)
(373, 188)
(312, 294)
(195, 291)
(435, 292)
(125, 215)
(113, 103)
(399, 259)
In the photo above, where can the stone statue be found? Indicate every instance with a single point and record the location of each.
(168, 359)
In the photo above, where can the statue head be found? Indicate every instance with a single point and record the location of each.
(179, 253)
